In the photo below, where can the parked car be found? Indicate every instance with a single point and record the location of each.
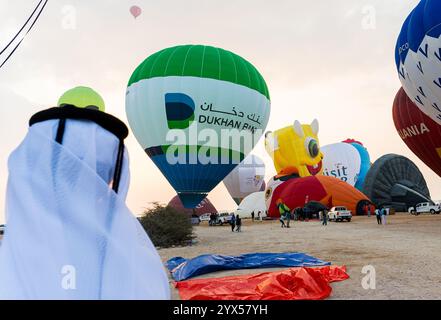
(195, 220)
(425, 207)
(2, 229)
(220, 219)
(340, 214)
(205, 217)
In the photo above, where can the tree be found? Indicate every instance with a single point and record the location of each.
(167, 227)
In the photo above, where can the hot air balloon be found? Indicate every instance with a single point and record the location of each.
(365, 161)
(329, 191)
(418, 57)
(342, 161)
(202, 208)
(420, 133)
(246, 178)
(397, 182)
(255, 202)
(135, 11)
(295, 150)
(197, 111)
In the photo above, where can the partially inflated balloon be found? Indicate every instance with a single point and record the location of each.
(418, 57)
(420, 133)
(342, 161)
(190, 107)
(295, 150)
(202, 208)
(329, 191)
(246, 178)
(365, 161)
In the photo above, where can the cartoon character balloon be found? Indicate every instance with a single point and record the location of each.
(191, 108)
(342, 161)
(418, 57)
(329, 191)
(247, 178)
(295, 150)
(420, 133)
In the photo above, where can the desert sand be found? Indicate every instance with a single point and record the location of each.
(406, 253)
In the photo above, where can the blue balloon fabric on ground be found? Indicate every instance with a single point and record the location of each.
(183, 269)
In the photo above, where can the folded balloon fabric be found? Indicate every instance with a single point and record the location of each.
(183, 269)
(291, 284)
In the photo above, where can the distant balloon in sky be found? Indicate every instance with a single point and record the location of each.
(191, 108)
(341, 161)
(135, 11)
(420, 133)
(418, 57)
(247, 178)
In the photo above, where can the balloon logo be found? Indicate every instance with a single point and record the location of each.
(135, 11)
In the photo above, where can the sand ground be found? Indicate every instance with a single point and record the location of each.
(406, 253)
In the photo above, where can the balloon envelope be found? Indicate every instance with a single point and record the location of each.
(365, 161)
(135, 11)
(329, 191)
(418, 57)
(202, 208)
(420, 133)
(246, 178)
(254, 202)
(342, 161)
(397, 182)
(181, 102)
(295, 150)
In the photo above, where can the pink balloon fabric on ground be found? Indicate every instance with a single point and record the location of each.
(135, 11)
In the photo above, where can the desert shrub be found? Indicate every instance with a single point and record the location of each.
(167, 227)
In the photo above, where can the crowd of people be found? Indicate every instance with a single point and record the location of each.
(298, 214)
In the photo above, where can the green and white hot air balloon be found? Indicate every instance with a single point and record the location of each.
(193, 109)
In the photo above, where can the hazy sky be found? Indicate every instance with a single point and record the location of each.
(330, 60)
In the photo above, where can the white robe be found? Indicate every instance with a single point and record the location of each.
(68, 234)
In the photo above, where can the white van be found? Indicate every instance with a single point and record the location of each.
(425, 207)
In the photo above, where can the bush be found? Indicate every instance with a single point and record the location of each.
(167, 227)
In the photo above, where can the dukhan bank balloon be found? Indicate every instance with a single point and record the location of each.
(186, 104)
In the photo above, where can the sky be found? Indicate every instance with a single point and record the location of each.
(330, 60)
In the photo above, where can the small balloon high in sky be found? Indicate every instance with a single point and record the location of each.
(135, 11)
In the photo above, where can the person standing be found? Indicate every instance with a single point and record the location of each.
(288, 218)
(369, 210)
(283, 209)
(325, 217)
(378, 215)
(233, 222)
(252, 216)
(259, 216)
(238, 224)
(383, 216)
